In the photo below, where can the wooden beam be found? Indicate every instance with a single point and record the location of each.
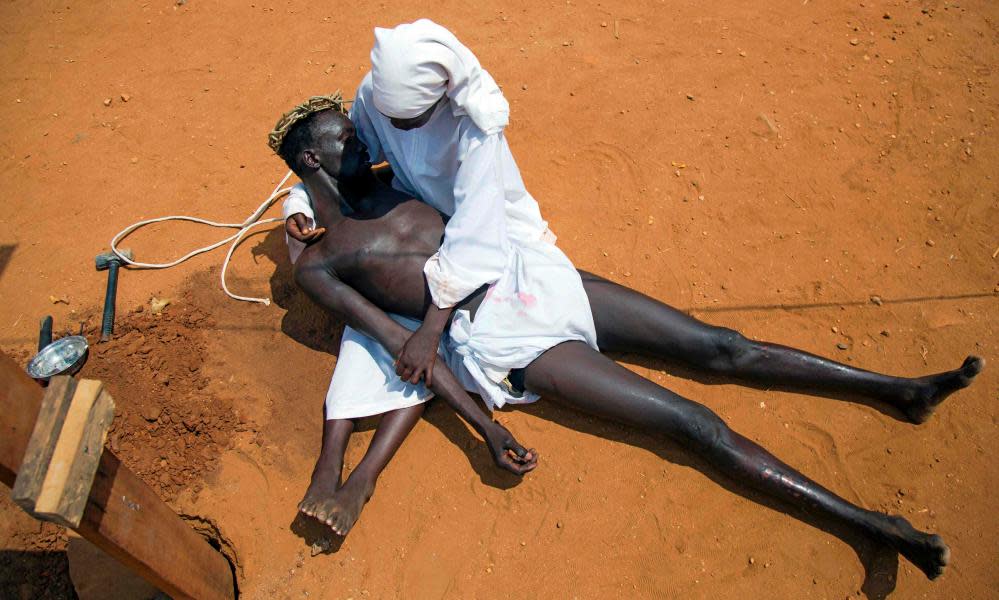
(20, 399)
(64, 492)
(38, 454)
(126, 519)
(123, 516)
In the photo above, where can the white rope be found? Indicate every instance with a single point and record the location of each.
(225, 263)
(252, 221)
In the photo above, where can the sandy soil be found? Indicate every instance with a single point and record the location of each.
(767, 166)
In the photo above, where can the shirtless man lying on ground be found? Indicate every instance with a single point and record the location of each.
(370, 262)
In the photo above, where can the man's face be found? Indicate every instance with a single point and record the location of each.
(417, 121)
(340, 152)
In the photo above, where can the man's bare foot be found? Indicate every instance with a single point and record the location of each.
(925, 550)
(341, 510)
(934, 389)
(325, 482)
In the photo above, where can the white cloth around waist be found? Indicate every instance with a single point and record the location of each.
(364, 382)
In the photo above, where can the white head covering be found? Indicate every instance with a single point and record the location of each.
(414, 64)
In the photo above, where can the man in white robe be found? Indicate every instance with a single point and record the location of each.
(431, 111)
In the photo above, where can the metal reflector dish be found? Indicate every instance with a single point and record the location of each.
(61, 356)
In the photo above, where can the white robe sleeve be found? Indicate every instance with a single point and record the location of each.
(475, 247)
(362, 122)
(297, 201)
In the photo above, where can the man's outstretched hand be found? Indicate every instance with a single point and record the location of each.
(297, 226)
(508, 453)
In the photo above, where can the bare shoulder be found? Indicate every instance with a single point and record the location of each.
(313, 267)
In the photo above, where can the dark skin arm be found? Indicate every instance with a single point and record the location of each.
(336, 296)
(419, 353)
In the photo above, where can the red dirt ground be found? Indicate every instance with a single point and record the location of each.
(767, 166)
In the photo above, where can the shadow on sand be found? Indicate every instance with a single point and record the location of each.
(307, 324)
(36, 574)
(6, 252)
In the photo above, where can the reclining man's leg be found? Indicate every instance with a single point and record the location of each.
(341, 508)
(329, 466)
(628, 321)
(593, 383)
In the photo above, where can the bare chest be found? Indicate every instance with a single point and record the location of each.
(384, 261)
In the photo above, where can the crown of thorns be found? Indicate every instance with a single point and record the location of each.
(303, 110)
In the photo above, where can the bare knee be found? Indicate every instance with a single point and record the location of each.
(703, 430)
(730, 350)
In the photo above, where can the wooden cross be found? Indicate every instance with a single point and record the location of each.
(52, 453)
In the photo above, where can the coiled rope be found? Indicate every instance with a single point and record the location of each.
(334, 101)
(252, 221)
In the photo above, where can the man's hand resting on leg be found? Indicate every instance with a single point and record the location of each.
(417, 357)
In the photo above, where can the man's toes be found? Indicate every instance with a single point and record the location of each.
(307, 506)
(338, 528)
(944, 555)
(327, 512)
(343, 524)
(972, 366)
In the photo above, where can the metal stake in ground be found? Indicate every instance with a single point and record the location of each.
(45, 332)
(112, 262)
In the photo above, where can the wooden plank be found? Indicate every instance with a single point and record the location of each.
(64, 492)
(20, 400)
(124, 517)
(37, 457)
(66, 444)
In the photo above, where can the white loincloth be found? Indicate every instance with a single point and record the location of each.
(364, 382)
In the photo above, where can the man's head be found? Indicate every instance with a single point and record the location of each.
(316, 137)
(417, 66)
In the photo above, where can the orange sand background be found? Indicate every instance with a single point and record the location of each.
(767, 166)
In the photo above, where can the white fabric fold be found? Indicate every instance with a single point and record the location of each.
(297, 201)
(414, 64)
(537, 304)
(364, 382)
(476, 245)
